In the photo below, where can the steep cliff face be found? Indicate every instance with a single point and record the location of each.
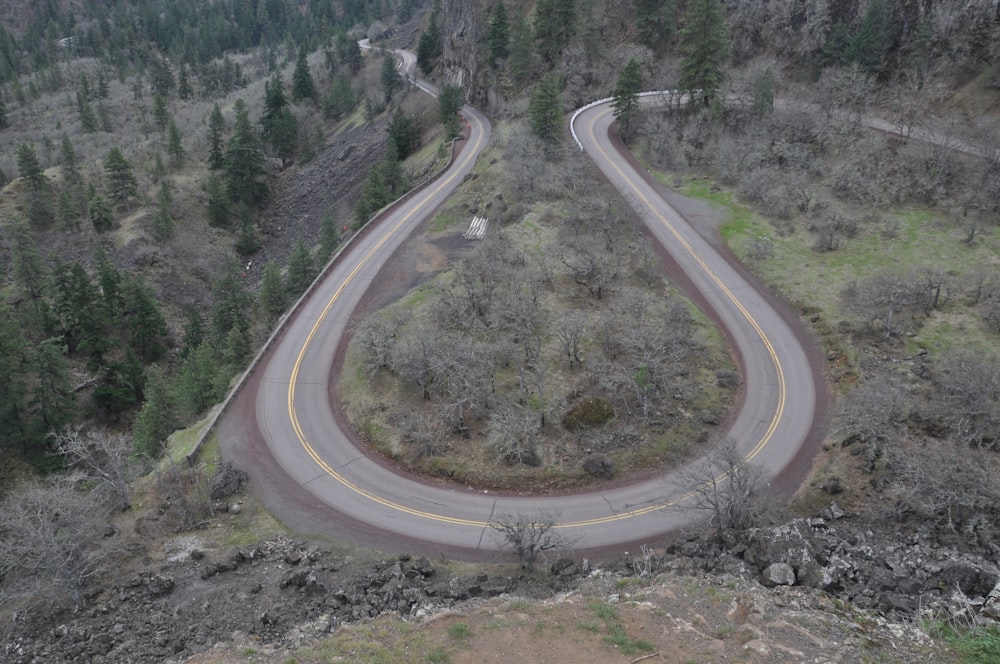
(464, 24)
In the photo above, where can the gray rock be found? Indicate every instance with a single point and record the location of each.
(778, 574)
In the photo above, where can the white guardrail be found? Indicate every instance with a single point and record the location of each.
(670, 94)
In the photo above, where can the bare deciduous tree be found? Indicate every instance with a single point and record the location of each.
(513, 433)
(529, 536)
(102, 457)
(377, 334)
(728, 489)
(872, 415)
(52, 539)
(884, 297)
(967, 397)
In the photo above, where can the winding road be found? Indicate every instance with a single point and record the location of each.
(309, 473)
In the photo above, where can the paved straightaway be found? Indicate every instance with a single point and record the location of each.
(304, 439)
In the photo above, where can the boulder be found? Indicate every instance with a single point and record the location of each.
(778, 574)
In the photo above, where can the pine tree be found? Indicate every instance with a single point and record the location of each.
(100, 213)
(872, 39)
(68, 159)
(175, 146)
(29, 273)
(704, 46)
(156, 419)
(86, 112)
(626, 97)
(450, 102)
(39, 194)
(146, 326)
(498, 36)
(161, 116)
(244, 161)
(404, 133)
(102, 86)
(272, 298)
(520, 61)
(301, 270)
(13, 387)
(329, 238)
(275, 106)
(29, 168)
(390, 79)
(184, 90)
(657, 23)
(303, 87)
(431, 44)
(216, 133)
(51, 397)
(545, 109)
(163, 219)
(554, 25)
(218, 202)
(121, 182)
(4, 121)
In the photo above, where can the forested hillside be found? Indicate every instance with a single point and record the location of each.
(175, 174)
(150, 152)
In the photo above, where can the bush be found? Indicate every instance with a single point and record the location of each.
(599, 465)
(592, 412)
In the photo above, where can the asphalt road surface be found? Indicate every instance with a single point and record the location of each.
(311, 475)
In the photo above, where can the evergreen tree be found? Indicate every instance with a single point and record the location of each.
(704, 47)
(70, 164)
(272, 298)
(657, 23)
(431, 44)
(329, 238)
(626, 97)
(29, 168)
(88, 119)
(68, 211)
(146, 326)
(184, 90)
(404, 133)
(121, 182)
(275, 106)
(50, 401)
(498, 36)
(244, 161)
(520, 61)
(29, 273)
(13, 387)
(78, 318)
(303, 87)
(232, 303)
(102, 86)
(872, 39)
(339, 99)
(216, 134)
(554, 25)
(835, 48)
(450, 102)
(545, 109)
(390, 79)
(100, 213)
(109, 282)
(4, 121)
(301, 270)
(218, 202)
(156, 419)
(39, 194)
(161, 116)
(349, 53)
(175, 145)
(163, 219)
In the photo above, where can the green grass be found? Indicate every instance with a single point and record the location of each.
(459, 631)
(604, 612)
(975, 646)
(805, 277)
(620, 639)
